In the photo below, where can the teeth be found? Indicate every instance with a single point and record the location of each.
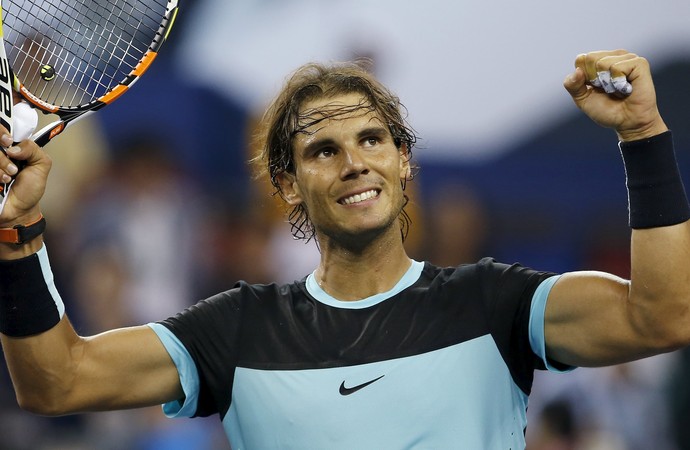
(360, 197)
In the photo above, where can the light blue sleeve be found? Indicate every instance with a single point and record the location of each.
(189, 377)
(536, 323)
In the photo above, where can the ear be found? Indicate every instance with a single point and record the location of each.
(405, 167)
(289, 188)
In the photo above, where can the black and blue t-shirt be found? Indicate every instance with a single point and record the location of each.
(445, 359)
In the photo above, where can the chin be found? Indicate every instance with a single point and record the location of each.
(365, 234)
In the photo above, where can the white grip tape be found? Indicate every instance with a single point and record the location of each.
(24, 121)
(605, 79)
(610, 85)
(622, 85)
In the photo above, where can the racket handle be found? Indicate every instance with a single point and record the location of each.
(24, 121)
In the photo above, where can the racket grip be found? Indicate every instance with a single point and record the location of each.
(24, 121)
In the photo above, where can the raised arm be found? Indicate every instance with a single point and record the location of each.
(53, 370)
(57, 372)
(595, 318)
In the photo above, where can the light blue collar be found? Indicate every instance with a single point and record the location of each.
(407, 280)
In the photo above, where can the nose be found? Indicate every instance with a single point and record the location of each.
(354, 164)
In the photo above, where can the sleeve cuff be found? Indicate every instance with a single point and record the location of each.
(537, 339)
(189, 377)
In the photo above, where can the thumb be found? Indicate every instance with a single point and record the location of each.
(575, 84)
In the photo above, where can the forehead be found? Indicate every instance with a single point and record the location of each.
(317, 114)
(351, 99)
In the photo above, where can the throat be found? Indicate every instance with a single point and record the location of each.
(358, 283)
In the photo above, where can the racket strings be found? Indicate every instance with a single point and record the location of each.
(91, 46)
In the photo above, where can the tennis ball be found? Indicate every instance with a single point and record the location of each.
(47, 72)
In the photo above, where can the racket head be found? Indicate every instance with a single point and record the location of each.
(73, 56)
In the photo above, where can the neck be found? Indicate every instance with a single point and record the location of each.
(357, 272)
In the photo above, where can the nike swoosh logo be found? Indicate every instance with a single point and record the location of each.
(347, 391)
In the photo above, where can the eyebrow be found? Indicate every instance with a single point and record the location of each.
(316, 144)
(377, 131)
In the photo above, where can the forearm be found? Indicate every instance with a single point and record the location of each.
(660, 284)
(43, 367)
(11, 251)
(57, 372)
(38, 341)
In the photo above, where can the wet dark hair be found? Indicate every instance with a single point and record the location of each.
(284, 119)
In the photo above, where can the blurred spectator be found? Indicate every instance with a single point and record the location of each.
(556, 428)
(137, 237)
(678, 399)
(133, 259)
(79, 157)
(235, 239)
(456, 226)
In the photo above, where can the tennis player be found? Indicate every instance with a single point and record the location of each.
(372, 349)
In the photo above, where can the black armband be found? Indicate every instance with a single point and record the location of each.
(656, 196)
(29, 301)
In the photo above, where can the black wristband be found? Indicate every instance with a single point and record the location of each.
(656, 196)
(29, 302)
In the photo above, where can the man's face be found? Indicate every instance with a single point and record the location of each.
(348, 170)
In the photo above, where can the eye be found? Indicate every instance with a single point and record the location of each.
(325, 152)
(371, 141)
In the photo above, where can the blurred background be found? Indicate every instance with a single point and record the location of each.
(151, 205)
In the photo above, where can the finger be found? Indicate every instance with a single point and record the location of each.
(5, 138)
(631, 68)
(18, 156)
(575, 83)
(8, 167)
(612, 78)
(581, 62)
(26, 151)
(588, 61)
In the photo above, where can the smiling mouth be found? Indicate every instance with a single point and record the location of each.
(357, 198)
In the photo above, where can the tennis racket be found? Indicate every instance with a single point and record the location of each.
(6, 83)
(9, 115)
(73, 57)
